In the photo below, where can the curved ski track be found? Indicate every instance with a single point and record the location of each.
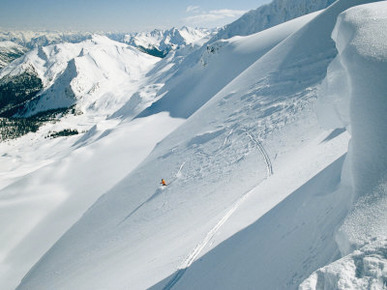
(210, 235)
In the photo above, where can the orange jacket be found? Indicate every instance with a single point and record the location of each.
(163, 182)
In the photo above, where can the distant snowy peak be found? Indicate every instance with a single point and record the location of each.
(157, 42)
(160, 42)
(9, 51)
(75, 73)
(269, 15)
(32, 39)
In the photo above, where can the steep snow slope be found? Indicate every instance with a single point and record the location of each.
(46, 183)
(206, 71)
(39, 207)
(97, 75)
(251, 146)
(269, 15)
(362, 238)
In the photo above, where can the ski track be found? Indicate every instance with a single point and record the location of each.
(265, 156)
(227, 137)
(210, 235)
(177, 174)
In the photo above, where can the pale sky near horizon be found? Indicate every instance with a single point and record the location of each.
(120, 15)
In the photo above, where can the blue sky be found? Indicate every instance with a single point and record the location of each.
(120, 15)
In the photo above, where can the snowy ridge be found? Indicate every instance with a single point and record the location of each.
(157, 42)
(81, 74)
(33, 39)
(153, 243)
(269, 15)
(262, 191)
(205, 72)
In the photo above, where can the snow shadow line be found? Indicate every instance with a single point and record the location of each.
(192, 257)
(260, 230)
(158, 192)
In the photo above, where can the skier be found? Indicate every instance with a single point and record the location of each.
(163, 183)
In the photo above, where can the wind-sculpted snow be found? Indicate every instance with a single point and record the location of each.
(363, 54)
(355, 95)
(361, 106)
(254, 194)
(253, 154)
(363, 269)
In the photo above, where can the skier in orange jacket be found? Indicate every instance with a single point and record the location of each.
(163, 183)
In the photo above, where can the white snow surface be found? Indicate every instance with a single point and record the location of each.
(97, 75)
(163, 40)
(206, 71)
(102, 75)
(8, 50)
(269, 15)
(361, 107)
(262, 192)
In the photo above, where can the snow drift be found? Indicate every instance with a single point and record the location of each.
(362, 238)
(256, 187)
(247, 143)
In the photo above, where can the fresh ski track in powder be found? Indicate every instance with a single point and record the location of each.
(224, 221)
(210, 235)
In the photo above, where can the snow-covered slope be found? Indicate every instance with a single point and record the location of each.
(9, 51)
(101, 76)
(359, 36)
(157, 42)
(251, 200)
(206, 71)
(256, 187)
(84, 74)
(269, 15)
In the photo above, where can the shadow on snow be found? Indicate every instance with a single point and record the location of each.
(279, 250)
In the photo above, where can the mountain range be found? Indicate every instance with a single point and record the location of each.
(270, 140)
